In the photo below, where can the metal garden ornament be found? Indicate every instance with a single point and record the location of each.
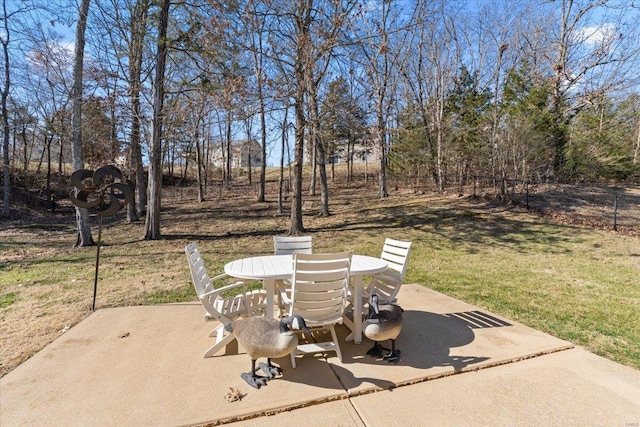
(103, 191)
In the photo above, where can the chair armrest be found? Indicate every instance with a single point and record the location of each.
(219, 276)
(223, 288)
(231, 286)
(284, 296)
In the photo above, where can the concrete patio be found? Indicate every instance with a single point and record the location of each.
(460, 365)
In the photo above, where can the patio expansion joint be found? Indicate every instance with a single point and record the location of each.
(352, 394)
(271, 412)
(285, 408)
(356, 393)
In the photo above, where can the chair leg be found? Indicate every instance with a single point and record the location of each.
(220, 344)
(334, 336)
(217, 332)
(348, 322)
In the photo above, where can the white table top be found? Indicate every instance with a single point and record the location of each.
(278, 267)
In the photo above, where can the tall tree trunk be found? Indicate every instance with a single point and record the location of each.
(229, 154)
(199, 162)
(5, 119)
(249, 151)
(152, 223)
(137, 208)
(296, 226)
(303, 23)
(285, 128)
(324, 187)
(320, 151)
(26, 154)
(206, 153)
(60, 164)
(636, 150)
(350, 157)
(439, 123)
(84, 237)
(313, 153)
(382, 143)
(263, 142)
(48, 180)
(366, 160)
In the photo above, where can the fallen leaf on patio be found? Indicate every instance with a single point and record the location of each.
(233, 394)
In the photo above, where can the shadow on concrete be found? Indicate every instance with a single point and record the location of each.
(426, 341)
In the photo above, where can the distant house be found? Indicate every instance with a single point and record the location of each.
(359, 152)
(362, 151)
(243, 154)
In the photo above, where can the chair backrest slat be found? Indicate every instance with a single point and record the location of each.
(319, 286)
(215, 305)
(199, 274)
(287, 245)
(224, 303)
(395, 252)
(387, 284)
(201, 280)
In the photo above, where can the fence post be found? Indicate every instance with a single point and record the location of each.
(615, 211)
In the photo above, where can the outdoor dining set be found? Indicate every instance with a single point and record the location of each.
(302, 293)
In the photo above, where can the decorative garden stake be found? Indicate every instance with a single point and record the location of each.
(104, 191)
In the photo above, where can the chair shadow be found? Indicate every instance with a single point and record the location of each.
(311, 371)
(427, 340)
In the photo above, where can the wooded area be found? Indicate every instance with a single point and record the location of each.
(438, 92)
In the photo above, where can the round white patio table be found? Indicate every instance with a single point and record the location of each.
(270, 268)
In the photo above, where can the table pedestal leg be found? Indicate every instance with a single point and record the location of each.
(269, 285)
(356, 334)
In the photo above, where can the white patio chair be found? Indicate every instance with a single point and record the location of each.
(387, 284)
(318, 294)
(289, 245)
(218, 303)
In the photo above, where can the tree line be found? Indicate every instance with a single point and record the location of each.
(442, 90)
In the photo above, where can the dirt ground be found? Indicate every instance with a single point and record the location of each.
(25, 332)
(599, 207)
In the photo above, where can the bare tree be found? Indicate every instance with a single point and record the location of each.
(375, 28)
(199, 108)
(325, 41)
(289, 42)
(284, 145)
(125, 24)
(11, 23)
(138, 26)
(136, 48)
(593, 50)
(84, 237)
(303, 20)
(5, 39)
(152, 222)
(304, 36)
(257, 23)
(636, 147)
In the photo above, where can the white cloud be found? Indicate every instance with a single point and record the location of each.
(596, 35)
(69, 47)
